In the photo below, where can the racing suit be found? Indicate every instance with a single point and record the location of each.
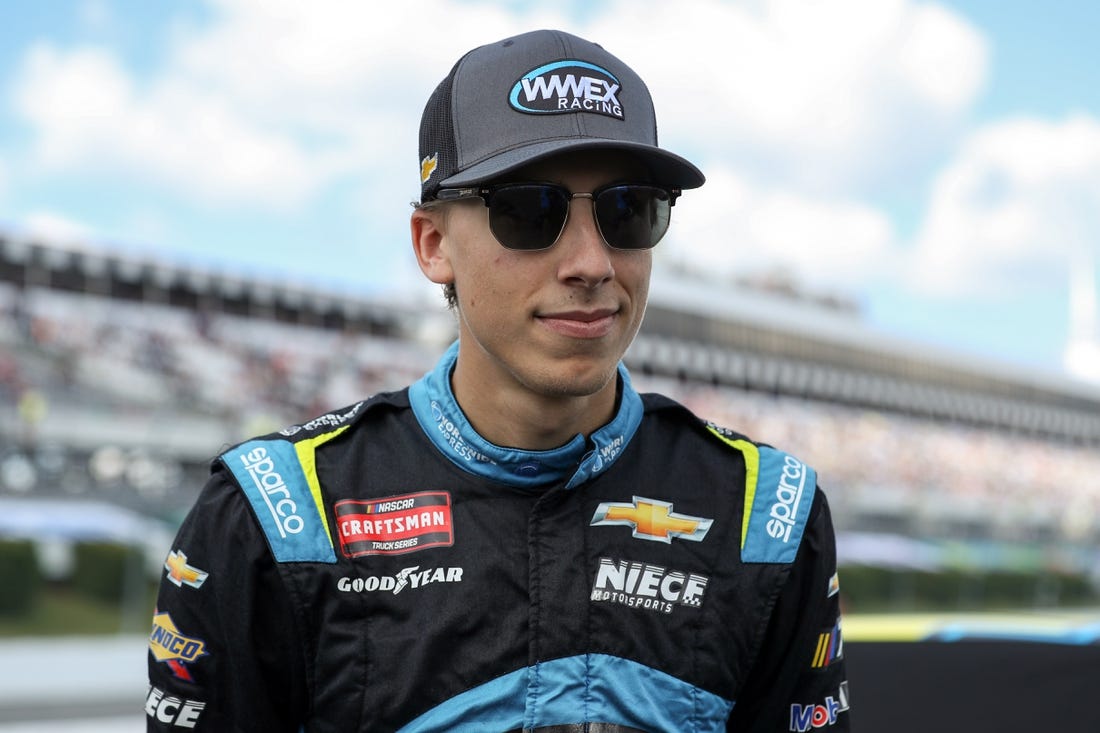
(384, 568)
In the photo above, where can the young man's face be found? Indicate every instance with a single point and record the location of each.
(556, 321)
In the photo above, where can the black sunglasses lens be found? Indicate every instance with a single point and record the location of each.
(528, 217)
(633, 216)
(531, 216)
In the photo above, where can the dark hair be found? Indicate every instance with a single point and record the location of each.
(451, 296)
(449, 293)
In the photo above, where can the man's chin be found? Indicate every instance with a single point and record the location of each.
(578, 378)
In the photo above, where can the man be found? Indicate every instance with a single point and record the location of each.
(519, 541)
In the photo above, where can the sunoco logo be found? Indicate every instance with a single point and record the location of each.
(568, 86)
(172, 647)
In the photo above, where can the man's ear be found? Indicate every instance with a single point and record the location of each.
(428, 227)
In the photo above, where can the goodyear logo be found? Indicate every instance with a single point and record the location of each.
(412, 577)
(172, 647)
(568, 86)
(652, 520)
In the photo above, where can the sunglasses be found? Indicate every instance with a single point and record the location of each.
(532, 216)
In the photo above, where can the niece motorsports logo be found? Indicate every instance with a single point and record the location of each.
(646, 586)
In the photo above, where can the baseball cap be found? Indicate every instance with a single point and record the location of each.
(524, 98)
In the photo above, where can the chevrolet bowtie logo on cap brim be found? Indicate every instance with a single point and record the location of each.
(652, 520)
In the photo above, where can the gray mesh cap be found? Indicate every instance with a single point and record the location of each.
(524, 98)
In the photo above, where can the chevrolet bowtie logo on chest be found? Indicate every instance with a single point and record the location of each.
(652, 520)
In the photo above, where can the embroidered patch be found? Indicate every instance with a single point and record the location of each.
(395, 524)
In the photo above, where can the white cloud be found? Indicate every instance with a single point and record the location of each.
(337, 66)
(89, 113)
(731, 227)
(829, 97)
(268, 103)
(51, 226)
(1082, 360)
(265, 105)
(1009, 214)
(794, 110)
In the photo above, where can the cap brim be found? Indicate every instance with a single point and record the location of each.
(667, 168)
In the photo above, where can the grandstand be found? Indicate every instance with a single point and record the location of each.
(121, 376)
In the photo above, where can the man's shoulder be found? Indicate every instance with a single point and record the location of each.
(316, 430)
(337, 420)
(665, 411)
(277, 474)
(779, 489)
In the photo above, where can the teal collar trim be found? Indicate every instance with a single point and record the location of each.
(579, 460)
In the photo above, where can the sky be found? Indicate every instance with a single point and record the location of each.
(937, 163)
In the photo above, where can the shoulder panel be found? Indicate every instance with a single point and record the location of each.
(279, 478)
(779, 492)
(330, 421)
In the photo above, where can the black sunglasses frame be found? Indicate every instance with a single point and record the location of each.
(486, 194)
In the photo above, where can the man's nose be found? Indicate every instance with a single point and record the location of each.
(585, 256)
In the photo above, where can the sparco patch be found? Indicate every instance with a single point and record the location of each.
(285, 498)
(779, 496)
(396, 524)
(568, 86)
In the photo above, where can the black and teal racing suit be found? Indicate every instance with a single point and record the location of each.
(384, 568)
